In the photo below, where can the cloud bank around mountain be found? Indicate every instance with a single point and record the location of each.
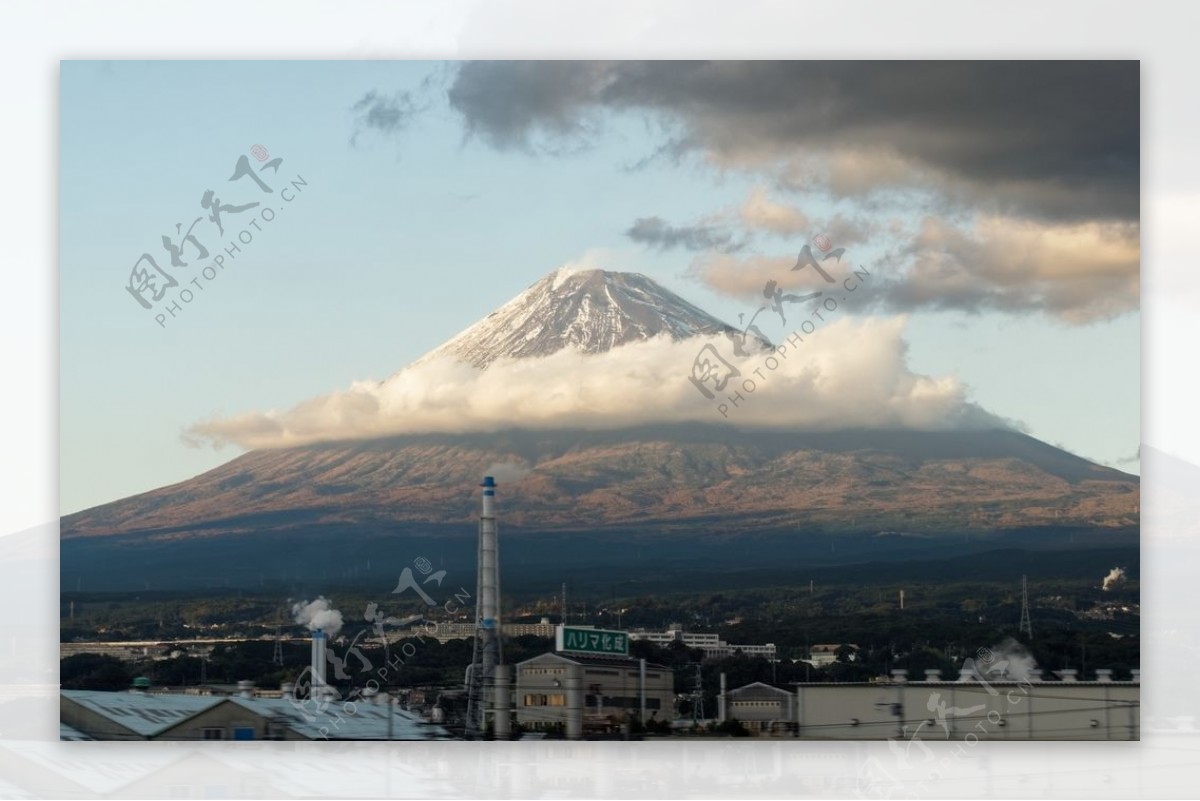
(850, 373)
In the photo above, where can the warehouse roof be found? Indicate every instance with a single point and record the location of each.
(337, 720)
(152, 714)
(144, 714)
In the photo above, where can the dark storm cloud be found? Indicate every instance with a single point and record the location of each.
(1057, 140)
(656, 232)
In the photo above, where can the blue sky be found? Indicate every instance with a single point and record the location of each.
(412, 232)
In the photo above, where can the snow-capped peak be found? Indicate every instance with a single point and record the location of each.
(590, 310)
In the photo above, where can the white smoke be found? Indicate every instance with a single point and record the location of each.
(848, 374)
(1008, 661)
(507, 472)
(1114, 575)
(319, 614)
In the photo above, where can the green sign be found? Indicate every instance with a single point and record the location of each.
(591, 641)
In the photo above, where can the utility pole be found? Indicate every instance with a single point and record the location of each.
(1026, 624)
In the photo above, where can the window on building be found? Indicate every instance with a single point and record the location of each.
(558, 699)
(214, 734)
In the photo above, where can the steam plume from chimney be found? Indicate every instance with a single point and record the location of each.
(319, 614)
(1114, 575)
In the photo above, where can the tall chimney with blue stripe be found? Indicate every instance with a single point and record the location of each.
(481, 691)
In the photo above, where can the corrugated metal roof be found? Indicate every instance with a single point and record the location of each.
(149, 715)
(336, 720)
(143, 713)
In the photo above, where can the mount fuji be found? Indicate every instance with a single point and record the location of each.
(570, 494)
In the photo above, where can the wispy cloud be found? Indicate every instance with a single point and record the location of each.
(1078, 273)
(658, 233)
(383, 114)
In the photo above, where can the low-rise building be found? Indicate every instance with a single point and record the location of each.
(971, 707)
(162, 716)
(712, 644)
(611, 691)
(824, 654)
(762, 709)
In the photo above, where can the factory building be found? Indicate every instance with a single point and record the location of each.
(161, 716)
(763, 709)
(934, 709)
(611, 691)
(712, 644)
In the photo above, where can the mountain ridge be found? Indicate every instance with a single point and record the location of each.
(670, 474)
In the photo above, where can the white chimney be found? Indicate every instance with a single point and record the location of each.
(287, 689)
(1103, 674)
(245, 689)
(933, 674)
(318, 662)
(899, 675)
(1069, 674)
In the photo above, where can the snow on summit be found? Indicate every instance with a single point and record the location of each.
(589, 310)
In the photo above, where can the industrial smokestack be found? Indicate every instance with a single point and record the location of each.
(317, 665)
(481, 687)
(574, 687)
(488, 572)
(902, 599)
(502, 709)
